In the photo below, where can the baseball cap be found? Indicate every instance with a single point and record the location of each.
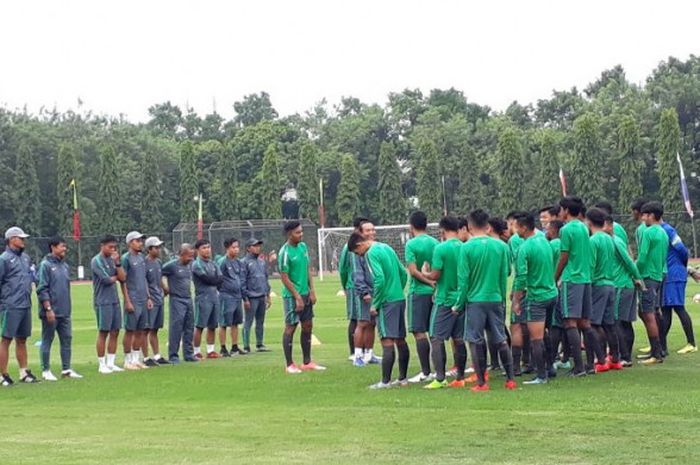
(134, 235)
(15, 231)
(153, 241)
(252, 241)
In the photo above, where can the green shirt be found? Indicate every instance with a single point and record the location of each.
(345, 268)
(514, 243)
(484, 264)
(294, 260)
(575, 241)
(388, 274)
(623, 268)
(555, 244)
(446, 259)
(602, 255)
(638, 235)
(534, 269)
(653, 248)
(419, 250)
(620, 232)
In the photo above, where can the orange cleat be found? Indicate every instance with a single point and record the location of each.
(198, 355)
(601, 367)
(213, 355)
(511, 384)
(457, 383)
(480, 388)
(614, 365)
(473, 378)
(312, 366)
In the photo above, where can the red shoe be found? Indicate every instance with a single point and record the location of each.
(608, 358)
(198, 355)
(480, 388)
(213, 355)
(312, 366)
(457, 383)
(473, 378)
(511, 384)
(614, 365)
(601, 368)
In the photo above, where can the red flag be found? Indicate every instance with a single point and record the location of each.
(562, 179)
(76, 213)
(200, 221)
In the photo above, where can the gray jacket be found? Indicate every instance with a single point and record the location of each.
(54, 286)
(16, 277)
(255, 277)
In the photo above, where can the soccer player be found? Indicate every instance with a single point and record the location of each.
(602, 292)
(107, 270)
(137, 302)
(574, 272)
(651, 262)
(298, 296)
(230, 297)
(15, 305)
(483, 270)
(444, 323)
(419, 251)
(636, 209)
(55, 309)
(345, 265)
(548, 214)
(363, 289)
(498, 229)
(207, 278)
(256, 294)
(155, 291)
(618, 229)
(556, 328)
(388, 305)
(176, 282)
(463, 232)
(520, 338)
(534, 290)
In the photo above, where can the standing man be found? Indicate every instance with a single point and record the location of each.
(106, 272)
(388, 305)
(16, 277)
(230, 297)
(256, 294)
(207, 278)
(557, 334)
(55, 307)
(636, 209)
(419, 251)
(520, 337)
(618, 229)
(363, 288)
(137, 302)
(155, 291)
(298, 296)
(177, 280)
(548, 214)
(345, 263)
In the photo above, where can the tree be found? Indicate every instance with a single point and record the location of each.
(152, 196)
(511, 165)
(108, 217)
(253, 109)
(66, 172)
(546, 183)
(26, 189)
(630, 184)
(348, 195)
(307, 187)
(668, 143)
(189, 183)
(392, 204)
(270, 191)
(166, 119)
(428, 182)
(228, 182)
(587, 166)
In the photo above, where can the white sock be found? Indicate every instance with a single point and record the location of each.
(138, 355)
(370, 353)
(23, 373)
(157, 357)
(127, 357)
(102, 361)
(210, 348)
(110, 359)
(358, 352)
(197, 350)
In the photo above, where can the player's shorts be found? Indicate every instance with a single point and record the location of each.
(481, 316)
(575, 300)
(418, 312)
(350, 298)
(16, 323)
(444, 324)
(537, 312)
(136, 320)
(109, 317)
(206, 312)
(603, 305)
(515, 318)
(155, 317)
(291, 316)
(360, 310)
(673, 293)
(650, 297)
(391, 321)
(625, 304)
(230, 311)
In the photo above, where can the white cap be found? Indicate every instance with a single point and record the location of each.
(134, 235)
(153, 241)
(15, 231)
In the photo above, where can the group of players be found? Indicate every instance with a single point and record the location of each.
(574, 281)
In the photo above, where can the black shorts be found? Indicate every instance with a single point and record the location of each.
(481, 316)
(575, 300)
(155, 317)
(109, 317)
(291, 316)
(514, 317)
(603, 305)
(444, 324)
(230, 311)
(360, 309)
(419, 308)
(16, 322)
(650, 297)
(206, 312)
(391, 320)
(625, 304)
(136, 320)
(537, 312)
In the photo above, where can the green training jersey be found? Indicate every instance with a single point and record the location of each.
(514, 244)
(555, 244)
(484, 264)
(534, 269)
(294, 260)
(620, 232)
(651, 260)
(624, 270)
(575, 240)
(446, 259)
(419, 250)
(345, 268)
(638, 235)
(388, 274)
(602, 255)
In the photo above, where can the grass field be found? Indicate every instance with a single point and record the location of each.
(246, 410)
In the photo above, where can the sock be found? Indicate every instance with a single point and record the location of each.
(516, 354)
(611, 336)
(460, 359)
(110, 359)
(306, 346)
(157, 357)
(388, 357)
(351, 336)
(574, 338)
(234, 348)
(127, 357)
(197, 350)
(370, 353)
(358, 352)
(548, 359)
(404, 356)
(102, 362)
(423, 349)
(622, 341)
(526, 347)
(656, 347)
(287, 348)
(223, 347)
(663, 322)
(138, 355)
(590, 341)
(598, 345)
(538, 357)
(210, 348)
(506, 359)
(629, 336)
(687, 324)
(22, 372)
(437, 349)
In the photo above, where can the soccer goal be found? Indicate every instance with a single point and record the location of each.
(332, 240)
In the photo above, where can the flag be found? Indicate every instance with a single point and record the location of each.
(684, 187)
(76, 212)
(200, 221)
(321, 209)
(562, 180)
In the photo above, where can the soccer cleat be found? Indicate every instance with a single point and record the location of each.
(198, 355)
(312, 366)
(6, 381)
(419, 378)
(29, 378)
(71, 374)
(141, 365)
(400, 382)
(260, 348)
(292, 370)
(115, 369)
(351, 357)
(559, 365)
(576, 374)
(241, 352)
(224, 352)
(645, 350)
(358, 362)
(149, 362)
(528, 369)
(601, 367)
(511, 384)
(373, 360)
(480, 388)
(174, 361)
(162, 361)
(104, 370)
(213, 355)
(626, 363)
(193, 359)
(688, 349)
(131, 366)
(643, 356)
(614, 365)
(473, 378)
(457, 383)
(536, 380)
(469, 371)
(551, 372)
(651, 361)
(48, 376)
(435, 384)
(380, 385)
(451, 373)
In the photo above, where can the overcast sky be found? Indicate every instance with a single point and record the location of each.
(123, 56)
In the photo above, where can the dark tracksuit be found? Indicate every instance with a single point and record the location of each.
(230, 292)
(54, 287)
(255, 288)
(363, 281)
(179, 278)
(206, 277)
(16, 277)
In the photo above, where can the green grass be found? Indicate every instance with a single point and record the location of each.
(246, 410)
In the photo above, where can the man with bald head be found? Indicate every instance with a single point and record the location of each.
(177, 274)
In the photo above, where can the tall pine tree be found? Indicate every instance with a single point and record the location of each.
(66, 172)
(189, 183)
(308, 182)
(428, 181)
(348, 197)
(511, 164)
(587, 164)
(270, 192)
(668, 143)
(628, 147)
(548, 188)
(392, 203)
(151, 206)
(228, 182)
(108, 217)
(27, 201)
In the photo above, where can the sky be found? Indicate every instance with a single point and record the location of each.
(120, 57)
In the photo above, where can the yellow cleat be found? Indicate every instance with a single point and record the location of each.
(645, 350)
(688, 349)
(651, 361)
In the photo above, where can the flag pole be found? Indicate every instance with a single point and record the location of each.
(686, 202)
(444, 197)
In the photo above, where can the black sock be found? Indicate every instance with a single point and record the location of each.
(306, 346)
(404, 357)
(687, 324)
(538, 352)
(664, 321)
(629, 337)
(574, 339)
(611, 336)
(437, 350)
(526, 346)
(517, 353)
(593, 350)
(388, 356)
(555, 338)
(622, 341)
(506, 359)
(351, 335)
(548, 359)
(287, 340)
(223, 347)
(656, 348)
(423, 349)
(460, 358)
(478, 360)
(566, 347)
(234, 348)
